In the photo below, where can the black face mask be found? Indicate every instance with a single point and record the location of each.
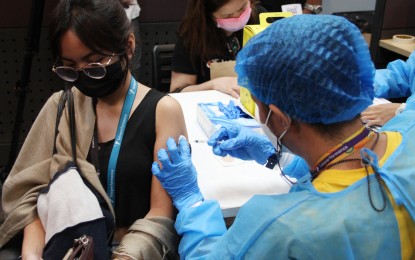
(99, 88)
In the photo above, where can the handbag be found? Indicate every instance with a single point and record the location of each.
(83, 249)
(70, 209)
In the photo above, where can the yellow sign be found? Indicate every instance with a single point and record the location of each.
(249, 31)
(247, 101)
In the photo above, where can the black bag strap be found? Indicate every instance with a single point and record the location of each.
(61, 108)
(72, 126)
(67, 97)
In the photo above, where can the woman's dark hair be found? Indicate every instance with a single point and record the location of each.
(101, 25)
(199, 32)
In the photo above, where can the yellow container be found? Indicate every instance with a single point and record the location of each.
(249, 31)
(252, 29)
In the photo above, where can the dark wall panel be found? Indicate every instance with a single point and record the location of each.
(17, 13)
(399, 14)
(42, 83)
(162, 10)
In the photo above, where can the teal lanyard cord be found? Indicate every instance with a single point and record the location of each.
(122, 123)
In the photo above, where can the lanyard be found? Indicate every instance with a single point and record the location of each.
(122, 123)
(340, 151)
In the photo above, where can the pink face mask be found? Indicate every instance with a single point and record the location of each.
(235, 24)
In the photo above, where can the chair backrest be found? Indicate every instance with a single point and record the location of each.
(162, 60)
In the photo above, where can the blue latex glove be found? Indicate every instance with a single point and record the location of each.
(230, 111)
(242, 143)
(178, 176)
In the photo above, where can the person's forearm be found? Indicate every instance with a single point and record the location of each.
(199, 87)
(33, 241)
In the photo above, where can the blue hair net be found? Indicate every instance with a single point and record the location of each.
(315, 68)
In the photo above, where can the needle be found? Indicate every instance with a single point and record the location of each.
(199, 141)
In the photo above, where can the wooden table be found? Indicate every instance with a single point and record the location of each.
(404, 49)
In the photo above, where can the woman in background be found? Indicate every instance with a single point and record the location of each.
(211, 31)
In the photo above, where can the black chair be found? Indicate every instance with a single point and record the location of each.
(162, 60)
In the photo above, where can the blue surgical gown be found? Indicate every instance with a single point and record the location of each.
(307, 224)
(397, 80)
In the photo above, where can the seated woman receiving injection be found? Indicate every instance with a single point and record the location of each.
(93, 43)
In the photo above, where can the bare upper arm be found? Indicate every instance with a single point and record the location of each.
(169, 123)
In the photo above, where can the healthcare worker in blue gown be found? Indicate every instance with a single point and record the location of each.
(396, 81)
(311, 77)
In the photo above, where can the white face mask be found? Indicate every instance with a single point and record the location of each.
(276, 142)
